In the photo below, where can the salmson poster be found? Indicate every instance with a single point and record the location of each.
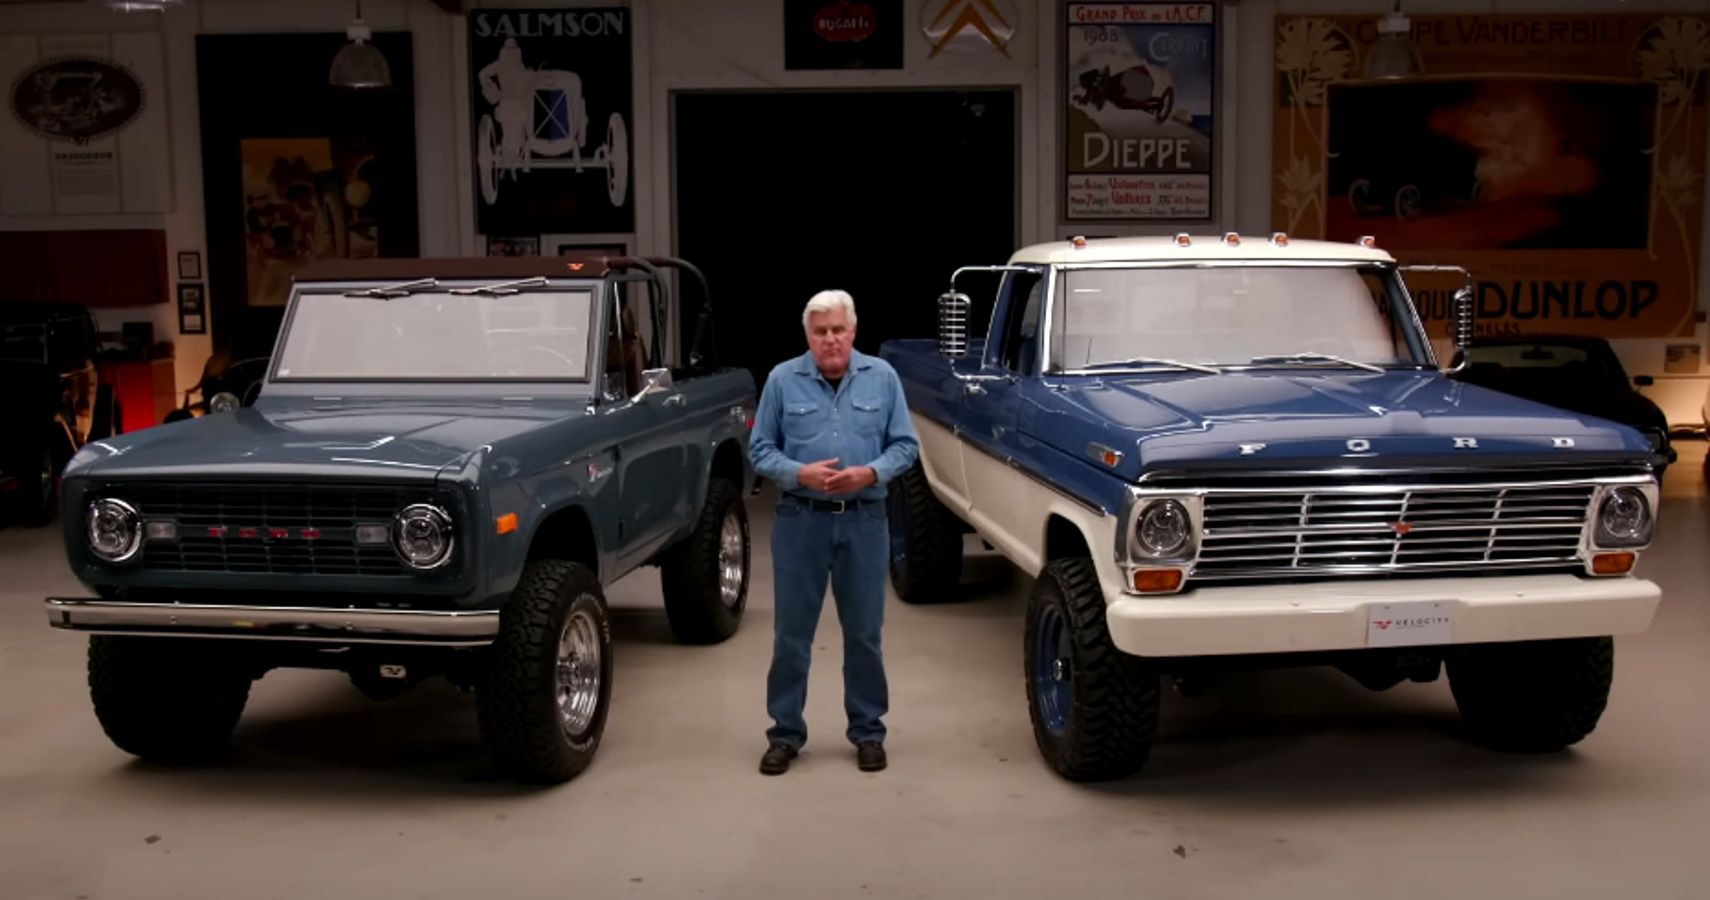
(551, 119)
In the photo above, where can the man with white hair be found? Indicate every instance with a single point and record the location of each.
(832, 430)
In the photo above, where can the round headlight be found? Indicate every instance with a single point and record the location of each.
(114, 530)
(224, 401)
(1624, 518)
(1164, 530)
(422, 536)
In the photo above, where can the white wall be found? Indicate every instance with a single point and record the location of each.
(683, 45)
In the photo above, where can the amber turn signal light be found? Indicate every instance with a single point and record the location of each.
(1613, 563)
(1157, 581)
(506, 523)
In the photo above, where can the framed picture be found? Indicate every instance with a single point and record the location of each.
(1139, 100)
(550, 118)
(513, 246)
(295, 170)
(192, 307)
(189, 265)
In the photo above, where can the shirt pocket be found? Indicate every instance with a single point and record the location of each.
(869, 415)
(802, 420)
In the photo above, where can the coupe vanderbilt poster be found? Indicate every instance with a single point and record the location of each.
(1556, 157)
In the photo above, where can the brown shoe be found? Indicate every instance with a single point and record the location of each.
(776, 759)
(870, 756)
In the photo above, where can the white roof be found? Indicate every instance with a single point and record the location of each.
(1201, 248)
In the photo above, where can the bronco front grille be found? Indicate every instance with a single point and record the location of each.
(270, 528)
(1281, 532)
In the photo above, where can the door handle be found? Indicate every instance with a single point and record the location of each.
(673, 400)
(975, 388)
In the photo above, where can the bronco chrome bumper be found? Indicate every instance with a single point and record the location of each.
(275, 623)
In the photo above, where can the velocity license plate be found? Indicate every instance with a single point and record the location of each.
(1410, 624)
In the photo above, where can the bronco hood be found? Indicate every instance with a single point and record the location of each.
(1266, 419)
(296, 438)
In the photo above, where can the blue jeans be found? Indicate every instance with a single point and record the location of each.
(851, 548)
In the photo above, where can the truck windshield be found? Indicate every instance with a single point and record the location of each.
(438, 336)
(1235, 316)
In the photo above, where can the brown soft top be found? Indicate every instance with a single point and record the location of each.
(391, 270)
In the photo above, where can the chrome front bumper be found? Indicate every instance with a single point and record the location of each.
(275, 623)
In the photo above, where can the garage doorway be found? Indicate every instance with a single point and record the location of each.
(779, 195)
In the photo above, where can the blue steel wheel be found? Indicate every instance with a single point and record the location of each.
(1094, 708)
(926, 541)
(1052, 670)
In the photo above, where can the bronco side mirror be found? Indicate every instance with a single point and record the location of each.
(653, 381)
(953, 309)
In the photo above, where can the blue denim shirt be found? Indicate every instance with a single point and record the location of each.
(863, 423)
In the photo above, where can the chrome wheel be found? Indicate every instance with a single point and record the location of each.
(732, 560)
(578, 673)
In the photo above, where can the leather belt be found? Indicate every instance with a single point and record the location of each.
(834, 507)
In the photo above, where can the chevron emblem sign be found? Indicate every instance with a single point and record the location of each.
(950, 24)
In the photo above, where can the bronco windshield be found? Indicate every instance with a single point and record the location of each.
(1241, 316)
(434, 335)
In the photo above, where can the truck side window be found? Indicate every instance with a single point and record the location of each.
(1021, 338)
(626, 346)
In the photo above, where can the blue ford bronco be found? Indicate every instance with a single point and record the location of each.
(1225, 452)
(447, 462)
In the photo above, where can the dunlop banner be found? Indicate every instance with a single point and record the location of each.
(1558, 157)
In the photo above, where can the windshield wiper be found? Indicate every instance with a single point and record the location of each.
(396, 290)
(503, 288)
(1316, 357)
(1152, 361)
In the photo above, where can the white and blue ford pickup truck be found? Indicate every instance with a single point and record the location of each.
(1217, 452)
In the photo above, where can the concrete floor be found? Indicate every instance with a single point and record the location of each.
(1279, 784)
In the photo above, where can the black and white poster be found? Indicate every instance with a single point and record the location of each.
(551, 115)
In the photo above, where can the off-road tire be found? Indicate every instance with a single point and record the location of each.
(516, 704)
(926, 542)
(1112, 714)
(167, 700)
(689, 572)
(1535, 696)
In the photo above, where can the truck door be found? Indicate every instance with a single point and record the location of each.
(652, 464)
(993, 409)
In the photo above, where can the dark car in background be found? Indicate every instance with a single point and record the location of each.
(1581, 374)
(51, 402)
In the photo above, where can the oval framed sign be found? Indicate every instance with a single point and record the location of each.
(75, 98)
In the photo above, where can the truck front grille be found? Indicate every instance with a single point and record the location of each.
(1256, 533)
(270, 528)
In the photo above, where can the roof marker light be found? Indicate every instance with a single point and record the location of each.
(1079, 242)
(1232, 239)
(1182, 239)
(1368, 241)
(1280, 239)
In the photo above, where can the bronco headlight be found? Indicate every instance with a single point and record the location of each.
(1624, 518)
(114, 530)
(422, 536)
